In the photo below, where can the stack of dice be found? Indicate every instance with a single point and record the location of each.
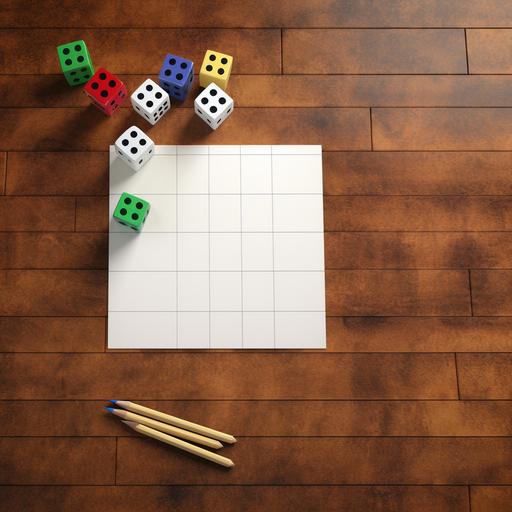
(151, 101)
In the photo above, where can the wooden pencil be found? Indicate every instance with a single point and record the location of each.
(177, 422)
(178, 443)
(166, 428)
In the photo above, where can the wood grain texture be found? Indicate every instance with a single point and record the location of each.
(451, 213)
(491, 292)
(325, 461)
(489, 51)
(485, 376)
(273, 376)
(29, 334)
(417, 173)
(374, 51)
(397, 293)
(486, 498)
(229, 498)
(441, 129)
(89, 130)
(139, 50)
(53, 292)
(420, 334)
(3, 172)
(272, 418)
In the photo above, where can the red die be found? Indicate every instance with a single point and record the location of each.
(106, 91)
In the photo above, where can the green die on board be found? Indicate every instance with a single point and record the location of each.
(131, 211)
(75, 62)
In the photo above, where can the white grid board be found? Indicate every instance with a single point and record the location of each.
(231, 254)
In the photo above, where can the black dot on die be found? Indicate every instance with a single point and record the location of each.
(221, 71)
(213, 92)
(112, 83)
(172, 62)
(133, 134)
(68, 62)
(77, 48)
(76, 80)
(134, 150)
(95, 85)
(139, 205)
(87, 76)
(103, 76)
(65, 51)
(222, 101)
(135, 216)
(213, 109)
(140, 96)
(167, 72)
(73, 73)
(149, 104)
(149, 87)
(127, 200)
(83, 70)
(140, 161)
(80, 58)
(125, 142)
(212, 57)
(204, 101)
(179, 76)
(158, 95)
(104, 93)
(123, 211)
(209, 67)
(224, 60)
(183, 65)
(142, 142)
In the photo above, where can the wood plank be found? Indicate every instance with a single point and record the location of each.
(491, 292)
(233, 498)
(89, 130)
(28, 334)
(485, 376)
(325, 461)
(3, 172)
(489, 51)
(485, 498)
(57, 460)
(272, 418)
(37, 213)
(223, 376)
(376, 51)
(397, 293)
(53, 292)
(289, 91)
(418, 250)
(60, 174)
(441, 129)
(53, 251)
(266, 13)
(92, 214)
(139, 50)
(446, 334)
(408, 213)
(417, 173)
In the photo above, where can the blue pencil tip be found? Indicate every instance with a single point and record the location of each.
(110, 409)
(113, 401)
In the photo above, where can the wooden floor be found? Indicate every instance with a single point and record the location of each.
(410, 407)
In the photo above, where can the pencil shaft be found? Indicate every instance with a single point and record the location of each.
(178, 422)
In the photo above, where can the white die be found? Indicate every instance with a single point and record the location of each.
(150, 101)
(134, 147)
(213, 106)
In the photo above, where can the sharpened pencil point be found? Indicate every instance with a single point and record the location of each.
(110, 409)
(113, 401)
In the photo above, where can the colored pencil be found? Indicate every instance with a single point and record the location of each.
(172, 420)
(166, 428)
(178, 443)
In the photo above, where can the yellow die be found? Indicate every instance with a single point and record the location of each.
(216, 68)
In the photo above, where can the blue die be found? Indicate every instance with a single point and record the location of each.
(176, 75)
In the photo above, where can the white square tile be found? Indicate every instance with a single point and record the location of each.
(193, 291)
(299, 251)
(158, 176)
(224, 150)
(258, 291)
(142, 291)
(164, 149)
(192, 150)
(224, 174)
(254, 149)
(193, 213)
(226, 330)
(257, 251)
(193, 251)
(142, 251)
(256, 213)
(193, 330)
(192, 174)
(299, 291)
(258, 329)
(256, 174)
(297, 174)
(225, 251)
(142, 329)
(298, 213)
(224, 213)
(300, 330)
(302, 149)
(226, 291)
(161, 216)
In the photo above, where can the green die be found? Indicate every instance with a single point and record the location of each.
(131, 211)
(75, 62)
